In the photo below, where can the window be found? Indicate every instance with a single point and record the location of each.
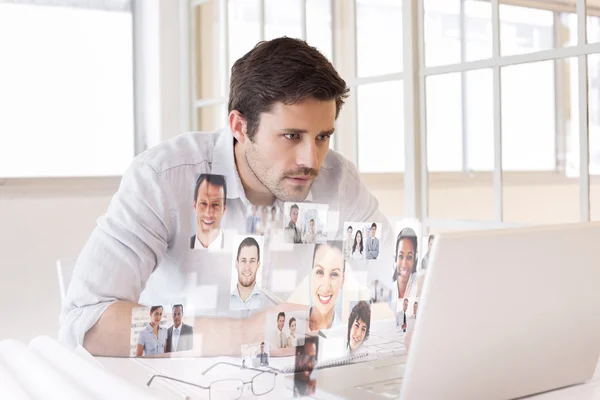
(248, 22)
(67, 88)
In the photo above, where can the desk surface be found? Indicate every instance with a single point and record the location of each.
(138, 374)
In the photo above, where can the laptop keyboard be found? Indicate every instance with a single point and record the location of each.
(384, 390)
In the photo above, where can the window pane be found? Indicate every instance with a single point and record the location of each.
(211, 118)
(531, 198)
(244, 28)
(318, 26)
(480, 120)
(528, 117)
(525, 30)
(381, 127)
(593, 23)
(378, 37)
(208, 67)
(66, 91)
(594, 133)
(464, 195)
(282, 18)
(444, 123)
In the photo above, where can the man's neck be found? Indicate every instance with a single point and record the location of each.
(255, 191)
(177, 326)
(207, 238)
(245, 291)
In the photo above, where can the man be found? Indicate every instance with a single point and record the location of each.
(180, 337)
(292, 232)
(210, 203)
(246, 294)
(412, 320)
(425, 260)
(401, 316)
(306, 359)
(279, 338)
(274, 149)
(252, 221)
(373, 244)
(348, 242)
(262, 356)
(375, 293)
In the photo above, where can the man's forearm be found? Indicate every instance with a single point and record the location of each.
(111, 335)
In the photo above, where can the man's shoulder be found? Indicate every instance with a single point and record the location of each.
(190, 148)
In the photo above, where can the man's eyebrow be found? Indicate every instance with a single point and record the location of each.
(300, 131)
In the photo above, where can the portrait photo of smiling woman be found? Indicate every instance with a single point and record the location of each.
(327, 282)
(406, 280)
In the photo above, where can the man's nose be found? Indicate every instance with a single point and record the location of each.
(307, 154)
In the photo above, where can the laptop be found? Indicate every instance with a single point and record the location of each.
(503, 314)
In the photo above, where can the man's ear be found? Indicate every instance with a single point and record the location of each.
(238, 125)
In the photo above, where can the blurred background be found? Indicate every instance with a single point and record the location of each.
(466, 114)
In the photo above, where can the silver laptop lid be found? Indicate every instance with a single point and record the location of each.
(507, 313)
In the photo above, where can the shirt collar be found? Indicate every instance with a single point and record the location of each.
(216, 244)
(236, 293)
(223, 163)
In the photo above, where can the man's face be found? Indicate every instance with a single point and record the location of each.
(405, 305)
(307, 360)
(312, 226)
(294, 215)
(246, 265)
(373, 231)
(262, 348)
(415, 307)
(290, 145)
(280, 322)
(210, 207)
(177, 315)
(350, 233)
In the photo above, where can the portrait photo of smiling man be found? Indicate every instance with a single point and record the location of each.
(246, 277)
(210, 198)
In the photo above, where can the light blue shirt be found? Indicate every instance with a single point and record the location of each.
(151, 343)
(140, 249)
(252, 302)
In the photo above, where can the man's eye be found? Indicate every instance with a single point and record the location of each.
(292, 136)
(323, 138)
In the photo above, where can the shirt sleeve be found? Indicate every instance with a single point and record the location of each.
(141, 338)
(128, 242)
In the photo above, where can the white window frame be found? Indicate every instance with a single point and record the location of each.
(140, 44)
(416, 178)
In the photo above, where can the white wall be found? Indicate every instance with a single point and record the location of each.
(40, 224)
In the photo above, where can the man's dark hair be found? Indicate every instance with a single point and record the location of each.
(249, 242)
(374, 225)
(350, 227)
(294, 206)
(154, 308)
(360, 312)
(217, 180)
(178, 305)
(281, 314)
(262, 343)
(282, 70)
